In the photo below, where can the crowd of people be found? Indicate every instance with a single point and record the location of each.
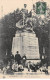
(18, 64)
(14, 63)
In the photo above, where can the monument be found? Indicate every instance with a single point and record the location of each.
(25, 42)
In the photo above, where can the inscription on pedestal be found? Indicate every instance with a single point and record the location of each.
(26, 43)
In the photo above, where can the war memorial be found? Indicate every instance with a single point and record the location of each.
(28, 33)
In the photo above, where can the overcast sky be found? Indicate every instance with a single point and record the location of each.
(7, 6)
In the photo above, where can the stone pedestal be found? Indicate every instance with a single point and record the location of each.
(26, 43)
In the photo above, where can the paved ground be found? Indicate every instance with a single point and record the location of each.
(27, 74)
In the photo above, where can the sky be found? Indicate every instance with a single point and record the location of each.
(7, 6)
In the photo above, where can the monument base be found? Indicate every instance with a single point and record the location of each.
(26, 43)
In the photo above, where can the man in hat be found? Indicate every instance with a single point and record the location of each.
(18, 58)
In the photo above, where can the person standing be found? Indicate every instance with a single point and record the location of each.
(24, 60)
(18, 58)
